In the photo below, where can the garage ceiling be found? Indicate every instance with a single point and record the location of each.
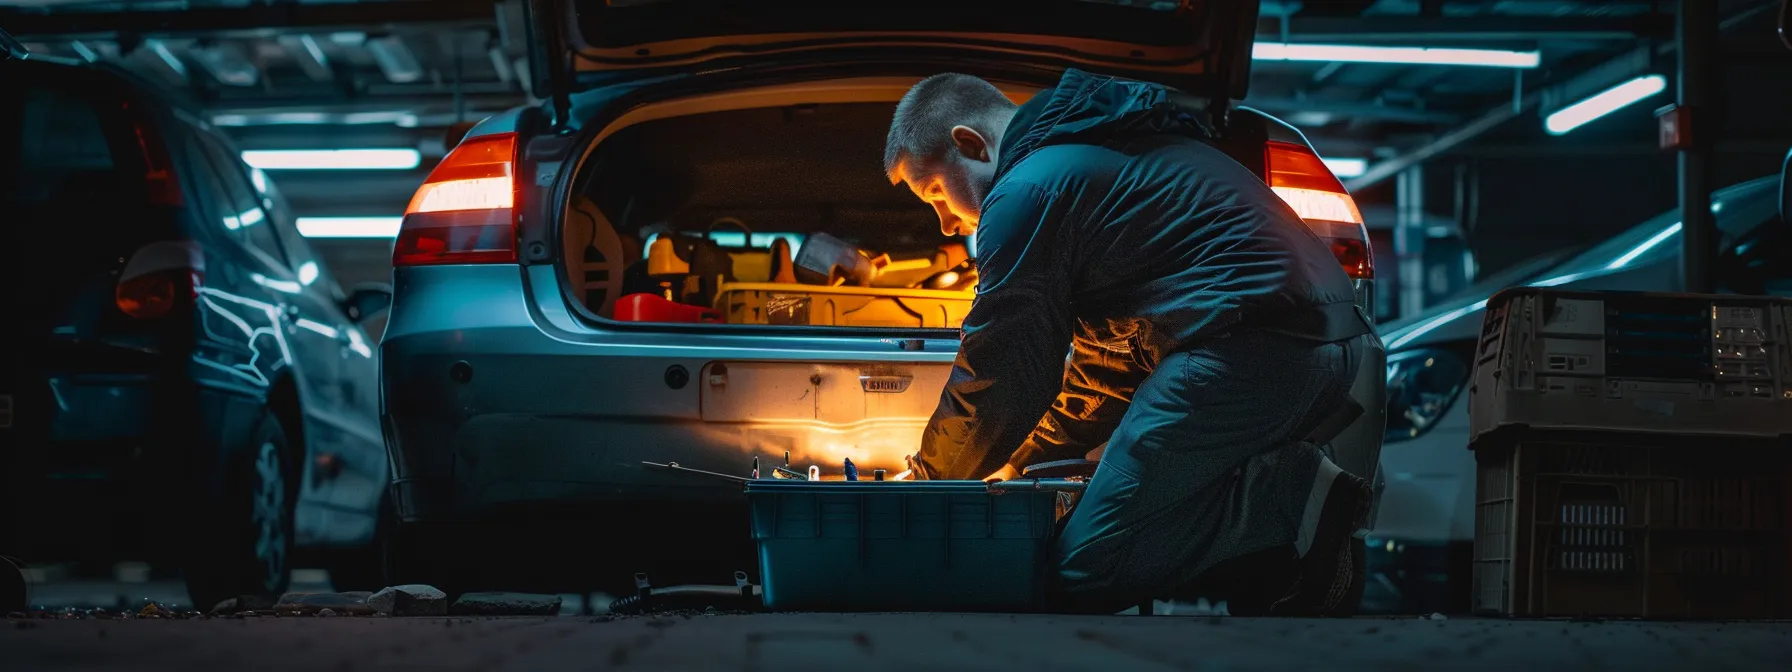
(394, 72)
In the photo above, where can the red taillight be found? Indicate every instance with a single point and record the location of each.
(155, 294)
(465, 211)
(1300, 177)
(158, 173)
(1304, 182)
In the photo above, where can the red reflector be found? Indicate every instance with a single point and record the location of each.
(152, 295)
(465, 211)
(1301, 178)
(1354, 256)
(650, 308)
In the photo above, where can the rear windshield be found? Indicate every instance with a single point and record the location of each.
(619, 23)
(74, 168)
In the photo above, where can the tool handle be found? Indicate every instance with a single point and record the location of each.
(674, 467)
(1060, 469)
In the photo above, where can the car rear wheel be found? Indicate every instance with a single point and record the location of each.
(243, 533)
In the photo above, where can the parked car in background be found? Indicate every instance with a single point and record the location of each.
(184, 382)
(690, 254)
(1427, 522)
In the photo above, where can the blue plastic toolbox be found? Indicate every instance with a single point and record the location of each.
(901, 545)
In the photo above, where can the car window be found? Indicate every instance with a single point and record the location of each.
(304, 260)
(61, 142)
(243, 213)
(71, 170)
(59, 136)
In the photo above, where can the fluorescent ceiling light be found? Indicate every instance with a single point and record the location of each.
(349, 227)
(1347, 168)
(1354, 53)
(334, 159)
(1603, 103)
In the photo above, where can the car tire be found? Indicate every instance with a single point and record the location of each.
(15, 590)
(364, 568)
(243, 527)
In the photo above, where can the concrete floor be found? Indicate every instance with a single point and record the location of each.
(788, 642)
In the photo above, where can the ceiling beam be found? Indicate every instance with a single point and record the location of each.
(249, 21)
(1465, 29)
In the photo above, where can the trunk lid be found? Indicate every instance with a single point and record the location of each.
(1200, 46)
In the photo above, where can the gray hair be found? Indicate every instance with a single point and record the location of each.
(922, 127)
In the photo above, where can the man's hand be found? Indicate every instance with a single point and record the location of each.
(1006, 473)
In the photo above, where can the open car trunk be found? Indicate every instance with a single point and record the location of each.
(773, 215)
(1199, 46)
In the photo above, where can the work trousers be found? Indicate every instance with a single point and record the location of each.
(1210, 464)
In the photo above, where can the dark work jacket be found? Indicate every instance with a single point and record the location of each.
(1114, 234)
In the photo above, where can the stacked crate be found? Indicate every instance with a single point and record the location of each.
(1633, 455)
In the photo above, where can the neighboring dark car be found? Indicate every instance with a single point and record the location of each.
(607, 278)
(185, 383)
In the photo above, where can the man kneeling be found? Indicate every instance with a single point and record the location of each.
(1212, 339)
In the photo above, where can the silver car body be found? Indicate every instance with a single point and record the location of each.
(499, 393)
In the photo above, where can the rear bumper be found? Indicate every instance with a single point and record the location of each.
(101, 466)
(497, 403)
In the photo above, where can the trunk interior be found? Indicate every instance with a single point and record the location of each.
(768, 211)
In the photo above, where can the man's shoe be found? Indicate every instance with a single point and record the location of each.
(1332, 571)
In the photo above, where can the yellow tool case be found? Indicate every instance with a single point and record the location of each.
(815, 305)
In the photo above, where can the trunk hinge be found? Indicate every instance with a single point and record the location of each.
(548, 47)
(1231, 79)
(563, 91)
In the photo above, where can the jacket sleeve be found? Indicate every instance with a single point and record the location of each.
(1098, 387)
(1013, 341)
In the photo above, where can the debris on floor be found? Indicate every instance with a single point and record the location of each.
(352, 603)
(243, 603)
(505, 604)
(154, 610)
(413, 599)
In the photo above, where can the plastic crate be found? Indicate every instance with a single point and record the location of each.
(901, 545)
(1648, 526)
(1634, 362)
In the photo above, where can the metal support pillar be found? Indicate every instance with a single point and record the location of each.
(1409, 238)
(1696, 33)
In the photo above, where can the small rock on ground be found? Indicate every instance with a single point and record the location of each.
(410, 600)
(351, 603)
(506, 604)
(326, 612)
(155, 610)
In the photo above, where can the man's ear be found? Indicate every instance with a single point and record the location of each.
(970, 143)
